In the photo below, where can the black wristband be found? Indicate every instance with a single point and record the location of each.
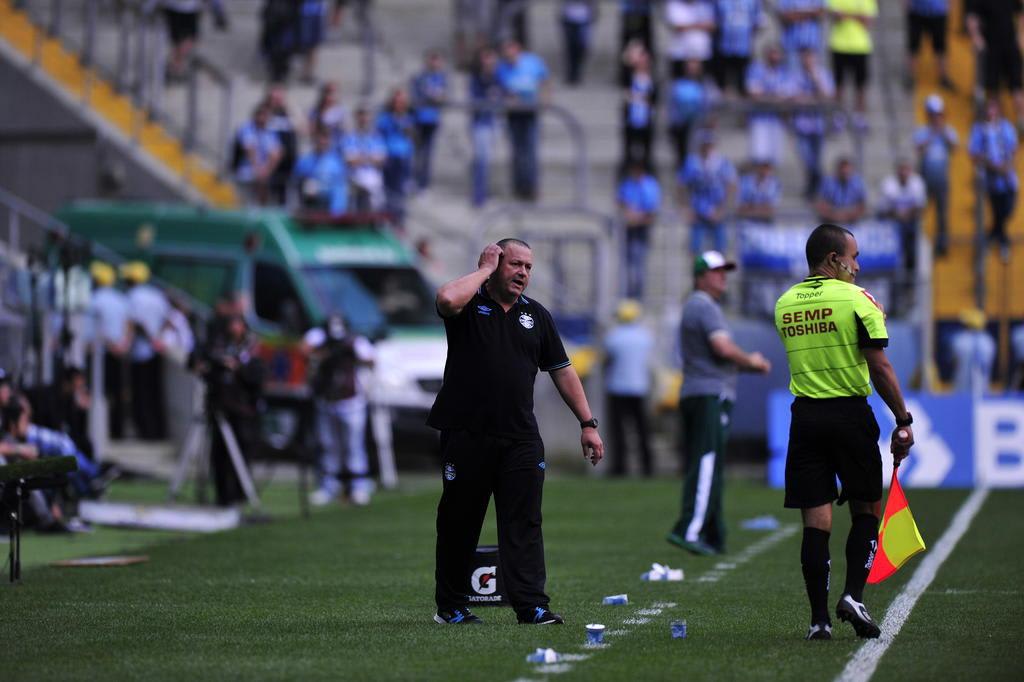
(905, 422)
(590, 423)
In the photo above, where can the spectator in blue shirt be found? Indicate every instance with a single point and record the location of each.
(811, 85)
(690, 101)
(843, 197)
(738, 22)
(484, 91)
(429, 92)
(768, 83)
(936, 141)
(708, 180)
(927, 17)
(578, 18)
(639, 105)
(365, 154)
(800, 21)
(759, 192)
(397, 127)
(974, 354)
(524, 78)
(320, 176)
(992, 146)
(628, 349)
(260, 152)
(639, 199)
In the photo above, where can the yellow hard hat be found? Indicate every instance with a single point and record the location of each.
(628, 310)
(973, 318)
(102, 273)
(135, 271)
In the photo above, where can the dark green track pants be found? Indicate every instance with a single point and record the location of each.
(706, 421)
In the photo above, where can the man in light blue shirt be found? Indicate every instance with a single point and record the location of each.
(321, 177)
(993, 146)
(110, 315)
(738, 22)
(524, 78)
(974, 354)
(935, 143)
(628, 348)
(639, 198)
(429, 90)
(709, 181)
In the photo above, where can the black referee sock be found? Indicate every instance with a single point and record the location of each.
(861, 544)
(814, 559)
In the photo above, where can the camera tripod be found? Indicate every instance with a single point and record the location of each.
(195, 451)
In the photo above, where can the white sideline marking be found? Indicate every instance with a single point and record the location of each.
(655, 609)
(554, 668)
(864, 662)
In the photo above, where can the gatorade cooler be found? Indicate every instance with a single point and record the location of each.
(485, 588)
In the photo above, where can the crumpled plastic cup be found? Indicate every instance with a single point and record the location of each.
(661, 572)
(542, 655)
(595, 633)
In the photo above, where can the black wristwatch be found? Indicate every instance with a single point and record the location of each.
(589, 424)
(905, 422)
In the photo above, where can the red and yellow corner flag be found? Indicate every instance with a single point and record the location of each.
(898, 537)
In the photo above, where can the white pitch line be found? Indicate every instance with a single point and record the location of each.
(865, 661)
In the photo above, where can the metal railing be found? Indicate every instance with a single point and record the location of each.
(24, 222)
(136, 68)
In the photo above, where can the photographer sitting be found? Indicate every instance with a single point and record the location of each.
(234, 390)
(341, 409)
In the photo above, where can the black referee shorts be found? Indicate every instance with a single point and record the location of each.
(828, 438)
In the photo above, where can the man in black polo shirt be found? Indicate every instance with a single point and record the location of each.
(497, 340)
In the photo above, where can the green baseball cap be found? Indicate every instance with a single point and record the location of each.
(711, 260)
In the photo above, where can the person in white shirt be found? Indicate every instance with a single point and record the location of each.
(148, 312)
(903, 200)
(691, 23)
(341, 407)
(111, 327)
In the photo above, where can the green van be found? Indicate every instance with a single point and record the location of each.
(295, 271)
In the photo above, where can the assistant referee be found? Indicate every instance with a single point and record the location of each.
(497, 340)
(835, 338)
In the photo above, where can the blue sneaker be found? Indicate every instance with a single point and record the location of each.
(540, 616)
(461, 616)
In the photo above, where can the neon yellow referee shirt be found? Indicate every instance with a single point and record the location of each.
(824, 323)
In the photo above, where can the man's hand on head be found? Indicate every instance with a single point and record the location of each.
(490, 257)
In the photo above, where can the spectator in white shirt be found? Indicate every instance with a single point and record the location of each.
(903, 200)
(149, 308)
(111, 325)
(691, 23)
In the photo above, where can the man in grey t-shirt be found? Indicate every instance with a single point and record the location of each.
(710, 362)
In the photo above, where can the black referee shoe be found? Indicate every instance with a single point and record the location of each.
(461, 616)
(819, 631)
(856, 614)
(541, 616)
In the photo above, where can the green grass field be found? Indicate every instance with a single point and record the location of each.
(347, 594)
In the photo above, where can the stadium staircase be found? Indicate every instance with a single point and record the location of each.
(954, 281)
(62, 67)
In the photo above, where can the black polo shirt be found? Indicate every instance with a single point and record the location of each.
(493, 358)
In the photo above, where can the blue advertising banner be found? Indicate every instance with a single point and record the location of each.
(780, 248)
(960, 441)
